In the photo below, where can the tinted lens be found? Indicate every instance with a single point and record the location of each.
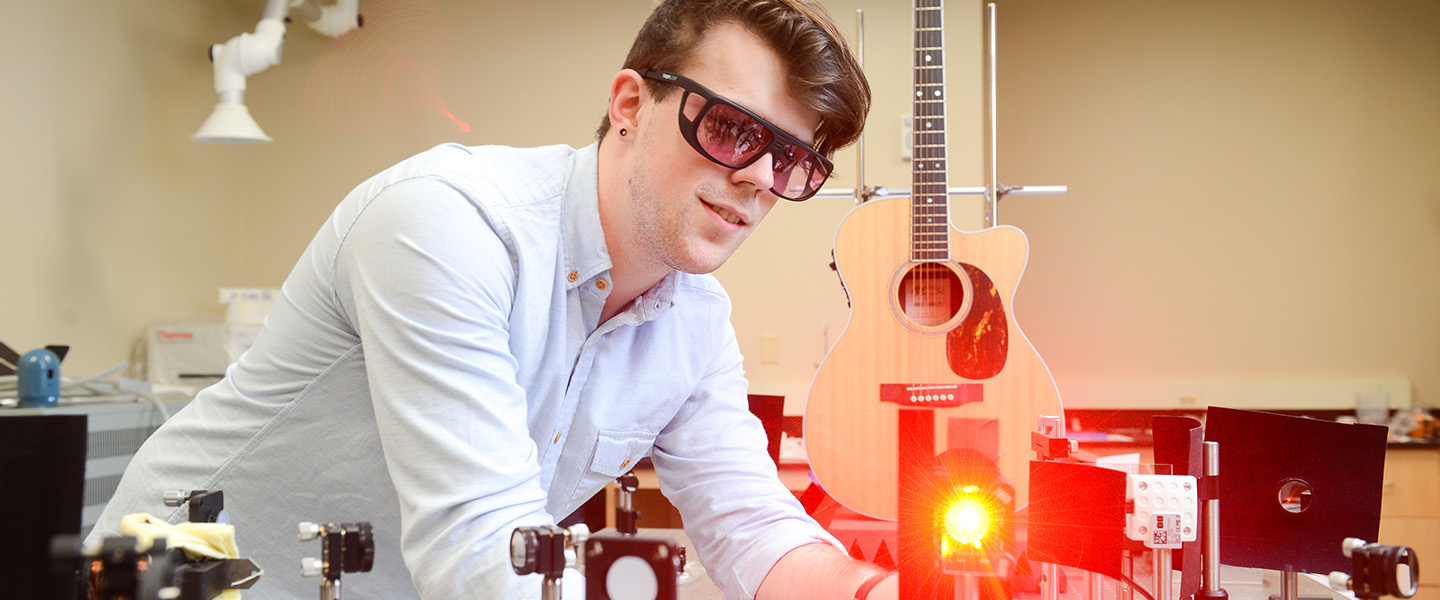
(731, 136)
(798, 172)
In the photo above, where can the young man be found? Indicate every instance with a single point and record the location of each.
(481, 338)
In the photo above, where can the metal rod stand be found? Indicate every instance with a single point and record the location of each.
(1162, 574)
(966, 587)
(1289, 585)
(1210, 529)
(1127, 568)
(1095, 584)
(1050, 590)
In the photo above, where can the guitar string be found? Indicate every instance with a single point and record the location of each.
(929, 290)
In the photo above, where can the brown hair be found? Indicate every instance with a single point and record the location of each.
(824, 75)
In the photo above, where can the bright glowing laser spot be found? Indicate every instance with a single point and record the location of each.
(968, 521)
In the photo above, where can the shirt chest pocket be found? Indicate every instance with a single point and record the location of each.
(616, 452)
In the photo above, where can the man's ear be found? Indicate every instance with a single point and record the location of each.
(627, 97)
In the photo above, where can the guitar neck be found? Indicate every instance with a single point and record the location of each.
(929, 196)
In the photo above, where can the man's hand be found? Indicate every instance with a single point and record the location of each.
(820, 572)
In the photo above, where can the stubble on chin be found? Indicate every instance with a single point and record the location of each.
(670, 231)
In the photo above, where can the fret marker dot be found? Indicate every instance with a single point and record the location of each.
(927, 58)
(927, 125)
(937, 92)
(919, 93)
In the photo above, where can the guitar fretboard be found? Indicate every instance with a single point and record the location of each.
(929, 196)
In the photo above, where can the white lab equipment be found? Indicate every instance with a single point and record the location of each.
(250, 53)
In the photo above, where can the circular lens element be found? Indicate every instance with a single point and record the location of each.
(631, 578)
(1407, 573)
(522, 558)
(1404, 581)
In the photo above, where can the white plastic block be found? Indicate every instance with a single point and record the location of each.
(1165, 509)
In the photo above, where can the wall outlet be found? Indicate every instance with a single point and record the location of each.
(907, 138)
(769, 348)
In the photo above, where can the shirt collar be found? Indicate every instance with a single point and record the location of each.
(585, 252)
(659, 298)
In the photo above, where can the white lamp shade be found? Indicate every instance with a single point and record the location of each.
(230, 124)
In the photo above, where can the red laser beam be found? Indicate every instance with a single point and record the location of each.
(378, 76)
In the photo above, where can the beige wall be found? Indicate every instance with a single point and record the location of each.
(110, 218)
(1248, 187)
(1254, 187)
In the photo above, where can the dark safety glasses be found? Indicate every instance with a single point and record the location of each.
(733, 137)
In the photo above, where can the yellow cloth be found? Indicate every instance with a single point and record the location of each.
(198, 540)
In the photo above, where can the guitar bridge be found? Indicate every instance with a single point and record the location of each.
(932, 395)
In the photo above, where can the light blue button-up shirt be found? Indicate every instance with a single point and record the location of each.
(435, 365)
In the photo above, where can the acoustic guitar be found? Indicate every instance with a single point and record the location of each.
(931, 325)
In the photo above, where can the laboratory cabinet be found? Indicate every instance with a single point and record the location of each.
(1410, 509)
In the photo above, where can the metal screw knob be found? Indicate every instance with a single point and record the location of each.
(309, 531)
(577, 534)
(311, 567)
(1339, 581)
(1348, 546)
(175, 498)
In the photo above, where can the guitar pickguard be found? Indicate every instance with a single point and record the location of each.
(978, 347)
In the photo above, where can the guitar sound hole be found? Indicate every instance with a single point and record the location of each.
(930, 294)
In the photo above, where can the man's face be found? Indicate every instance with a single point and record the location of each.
(691, 214)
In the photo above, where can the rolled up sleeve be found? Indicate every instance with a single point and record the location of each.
(427, 281)
(712, 464)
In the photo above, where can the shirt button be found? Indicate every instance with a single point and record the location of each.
(557, 438)
(600, 283)
(573, 276)
(625, 463)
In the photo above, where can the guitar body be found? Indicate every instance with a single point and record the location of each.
(971, 341)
